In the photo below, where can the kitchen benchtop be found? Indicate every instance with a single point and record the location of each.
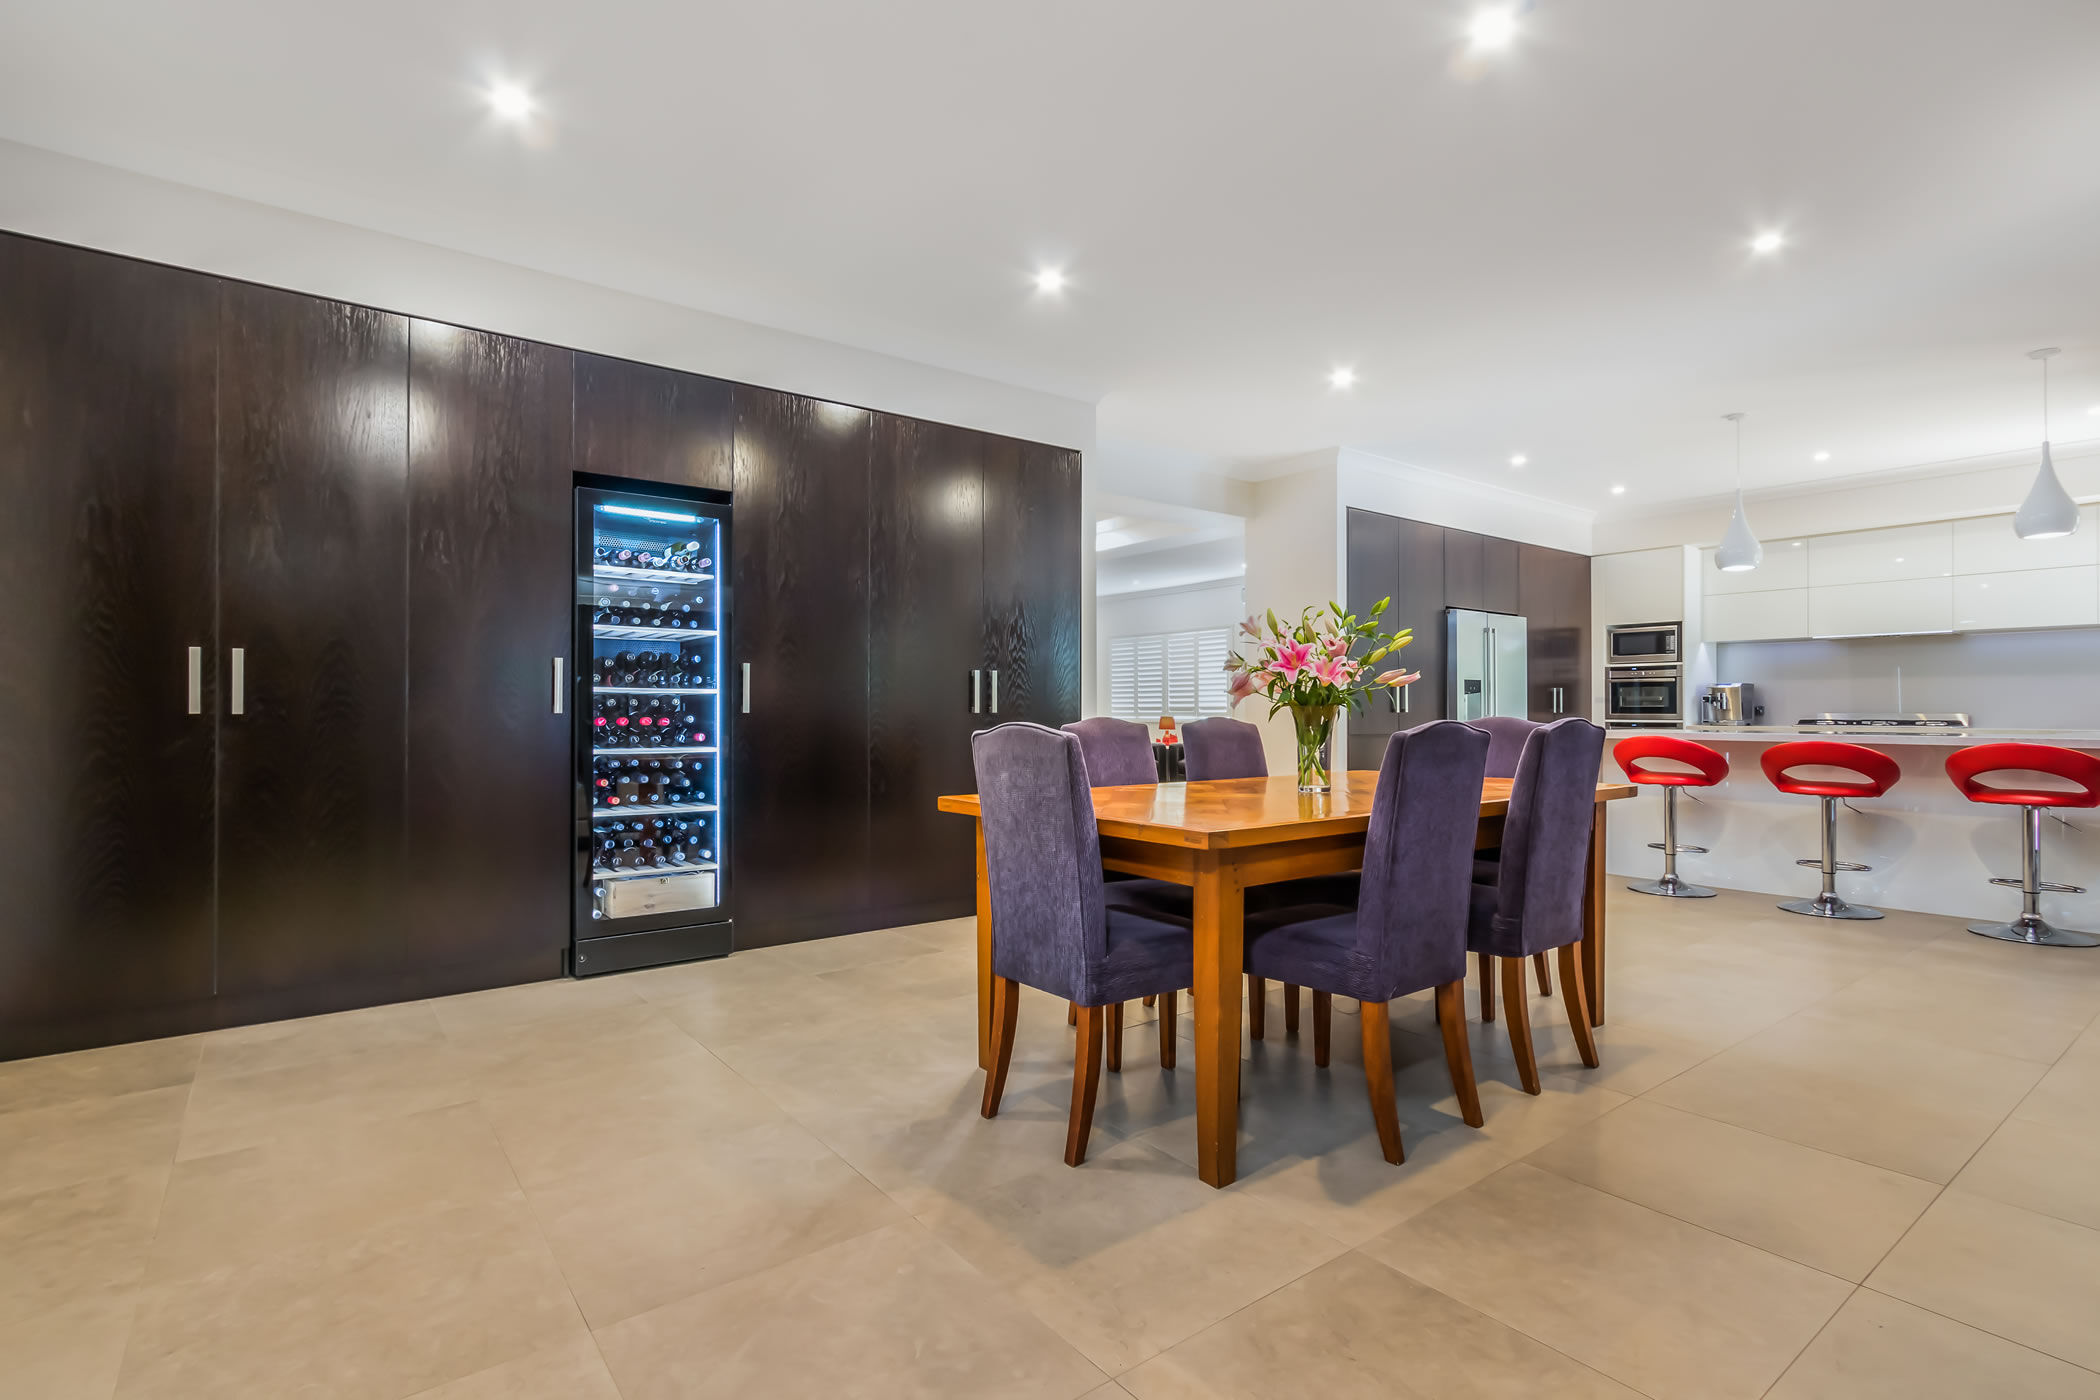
(1866, 734)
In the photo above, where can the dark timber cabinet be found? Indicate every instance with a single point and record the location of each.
(1553, 591)
(376, 513)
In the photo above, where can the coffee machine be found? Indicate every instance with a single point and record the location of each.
(1730, 702)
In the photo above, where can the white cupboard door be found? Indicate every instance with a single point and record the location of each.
(1986, 544)
(2028, 598)
(1785, 565)
(1757, 617)
(1871, 556)
(1880, 609)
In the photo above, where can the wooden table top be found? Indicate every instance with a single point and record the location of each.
(1251, 811)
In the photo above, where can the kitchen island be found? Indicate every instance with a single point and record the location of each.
(1932, 850)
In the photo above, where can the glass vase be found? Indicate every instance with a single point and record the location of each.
(1315, 736)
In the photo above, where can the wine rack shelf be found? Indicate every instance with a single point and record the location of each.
(621, 571)
(619, 633)
(646, 809)
(643, 750)
(648, 690)
(602, 875)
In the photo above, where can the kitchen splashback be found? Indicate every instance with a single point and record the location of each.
(2015, 680)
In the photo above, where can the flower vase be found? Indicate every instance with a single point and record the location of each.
(1315, 725)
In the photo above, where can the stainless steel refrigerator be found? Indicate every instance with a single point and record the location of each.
(1487, 668)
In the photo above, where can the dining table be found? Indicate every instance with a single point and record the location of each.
(1223, 837)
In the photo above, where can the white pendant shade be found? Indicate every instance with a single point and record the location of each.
(2048, 512)
(1740, 549)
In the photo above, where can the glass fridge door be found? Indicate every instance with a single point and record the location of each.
(651, 630)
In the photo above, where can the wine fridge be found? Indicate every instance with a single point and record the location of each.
(652, 774)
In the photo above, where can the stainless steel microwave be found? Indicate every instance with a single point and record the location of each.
(1644, 695)
(1639, 643)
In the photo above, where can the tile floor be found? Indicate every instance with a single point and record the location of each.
(1860, 1160)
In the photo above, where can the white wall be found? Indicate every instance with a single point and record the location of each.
(1162, 610)
(1296, 555)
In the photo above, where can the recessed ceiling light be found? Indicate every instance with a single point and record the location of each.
(1050, 280)
(510, 102)
(1493, 27)
(1618, 490)
(1343, 378)
(1799, 543)
(1519, 460)
(1768, 243)
(1822, 456)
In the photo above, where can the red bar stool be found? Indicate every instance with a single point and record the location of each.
(1965, 766)
(1877, 774)
(1709, 766)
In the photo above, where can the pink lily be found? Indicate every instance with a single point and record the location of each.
(1251, 627)
(1328, 671)
(1291, 658)
(1239, 687)
(1397, 678)
(1336, 646)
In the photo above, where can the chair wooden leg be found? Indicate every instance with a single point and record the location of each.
(1071, 1013)
(1516, 1006)
(1086, 1082)
(1487, 987)
(1576, 995)
(1115, 1037)
(1166, 1030)
(1257, 1006)
(1323, 1027)
(1378, 1077)
(1006, 1007)
(1538, 961)
(1290, 1008)
(1149, 1000)
(1458, 1050)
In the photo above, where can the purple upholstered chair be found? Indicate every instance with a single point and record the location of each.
(1051, 928)
(1407, 931)
(1535, 903)
(1118, 752)
(1507, 736)
(1222, 748)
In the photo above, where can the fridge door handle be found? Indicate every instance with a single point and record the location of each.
(557, 686)
(1407, 699)
(747, 687)
(995, 692)
(976, 692)
(196, 680)
(240, 682)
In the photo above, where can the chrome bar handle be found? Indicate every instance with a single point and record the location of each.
(995, 692)
(976, 692)
(196, 680)
(747, 687)
(557, 686)
(1407, 699)
(240, 682)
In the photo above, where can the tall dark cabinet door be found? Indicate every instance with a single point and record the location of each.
(926, 609)
(1031, 582)
(489, 587)
(799, 778)
(1554, 588)
(1402, 560)
(313, 456)
(652, 424)
(106, 371)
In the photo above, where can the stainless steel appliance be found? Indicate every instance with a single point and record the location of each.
(1488, 675)
(1643, 644)
(1878, 719)
(1646, 696)
(1730, 702)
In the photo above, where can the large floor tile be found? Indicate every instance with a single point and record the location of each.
(283, 1044)
(1861, 1090)
(1354, 1329)
(103, 1073)
(2030, 1278)
(318, 1097)
(1828, 1212)
(377, 1316)
(2004, 1012)
(75, 1241)
(890, 1314)
(513, 1008)
(2067, 1093)
(291, 1192)
(569, 1370)
(601, 1041)
(2052, 1168)
(70, 1353)
(1128, 1254)
(1664, 1306)
(854, 950)
(646, 1232)
(1878, 1348)
(67, 1143)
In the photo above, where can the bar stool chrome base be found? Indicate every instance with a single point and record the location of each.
(1674, 886)
(2037, 931)
(1829, 906)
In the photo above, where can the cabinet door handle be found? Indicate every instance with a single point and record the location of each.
(747, 687)
(196, 680)
(240, 682)
(976, 692)
(995, 692)
(557, 686)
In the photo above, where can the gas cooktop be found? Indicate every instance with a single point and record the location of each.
(1870, 719)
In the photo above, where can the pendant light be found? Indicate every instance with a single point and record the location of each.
(1739, 548)
(2048, 512)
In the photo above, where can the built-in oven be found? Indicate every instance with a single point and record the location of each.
(1644, 695)
(1643, 643)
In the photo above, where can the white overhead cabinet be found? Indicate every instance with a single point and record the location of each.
(1987, 545)
(1879, 556)
(2027, 598)
(1881, 609)
(1772, 615)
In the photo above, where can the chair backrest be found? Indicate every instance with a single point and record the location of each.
(1118, 752)
(1507, 736)
(1042, 857)
(1418, 859)
(1546, 839)
(1222, 748)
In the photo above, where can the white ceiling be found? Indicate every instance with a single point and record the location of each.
(1542, 253)
(1144, 546)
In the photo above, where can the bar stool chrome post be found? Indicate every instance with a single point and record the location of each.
(1699, 766)
(1966, 765)
(1877, 773)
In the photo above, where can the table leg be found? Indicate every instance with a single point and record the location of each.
(984, 957)
(1220, 928)
(1593, 920)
